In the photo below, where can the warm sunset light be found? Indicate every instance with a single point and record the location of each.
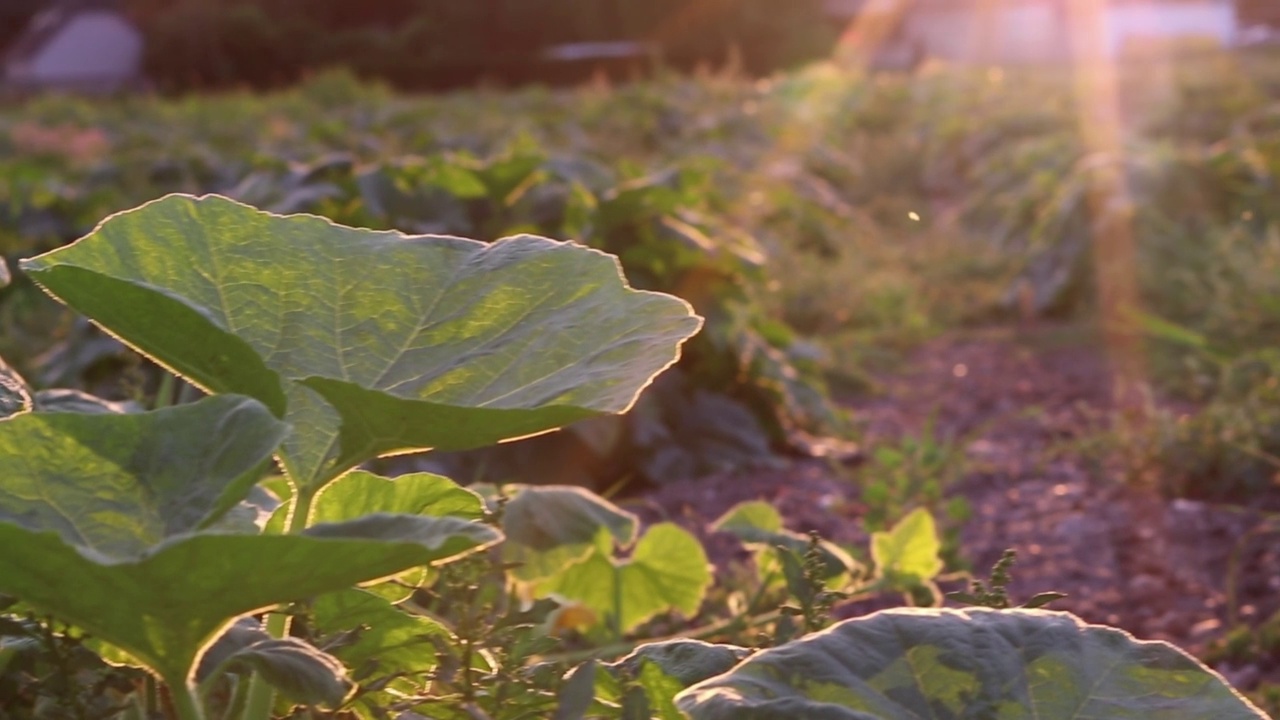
(611, 359)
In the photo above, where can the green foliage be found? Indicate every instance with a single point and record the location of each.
(929, 195)
(421, 357)
(130, 503)
(667, 569)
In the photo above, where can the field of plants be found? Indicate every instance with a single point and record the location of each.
(854, 397)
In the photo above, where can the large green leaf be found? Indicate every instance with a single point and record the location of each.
(974, 664)
(667, 570)
(370, 342)
(116, 484)
(164, 606)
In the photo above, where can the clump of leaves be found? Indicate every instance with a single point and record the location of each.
(410, 344)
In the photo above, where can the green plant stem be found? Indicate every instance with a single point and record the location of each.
(164, 395)
(150, 696)
(301, 510)
(238, 697)
(183, 696)
(260, 695)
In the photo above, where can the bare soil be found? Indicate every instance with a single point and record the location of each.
(1025, 405)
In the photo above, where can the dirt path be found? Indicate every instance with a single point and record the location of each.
(1024, 409)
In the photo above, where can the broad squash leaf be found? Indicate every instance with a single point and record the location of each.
(974, 664)
(367, 342)
(165, 605)
(117, 484)
(667, 570)
(106, 509)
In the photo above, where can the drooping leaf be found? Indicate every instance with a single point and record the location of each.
(551, 527)
(968, 664)
(117, 484)
(688, 661)
(907, 554)
(667, 570)
(237, 636)
(163, 606)
(551, 516)
(15, 396)
(411, 342)
(300, 672)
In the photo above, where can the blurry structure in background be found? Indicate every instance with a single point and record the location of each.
(895, 34)
(79, 45)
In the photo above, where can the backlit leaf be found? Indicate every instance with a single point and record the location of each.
(907, 554)
(974, 664)
(667, 570)
(411, 342)
(163, 606)
(117, 484)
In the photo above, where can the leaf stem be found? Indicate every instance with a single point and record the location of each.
(301, 514)
(183, 697)
(261, 696)
(164, 395)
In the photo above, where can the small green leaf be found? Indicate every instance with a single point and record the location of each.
(1041, 599)
(907, 554)
(667, 570)
(973, 663)
(370, 343)
(362, 493)
(578, 693)
(386, 642)
(758, 523)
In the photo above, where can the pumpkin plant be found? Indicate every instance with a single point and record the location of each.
(324, 346)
